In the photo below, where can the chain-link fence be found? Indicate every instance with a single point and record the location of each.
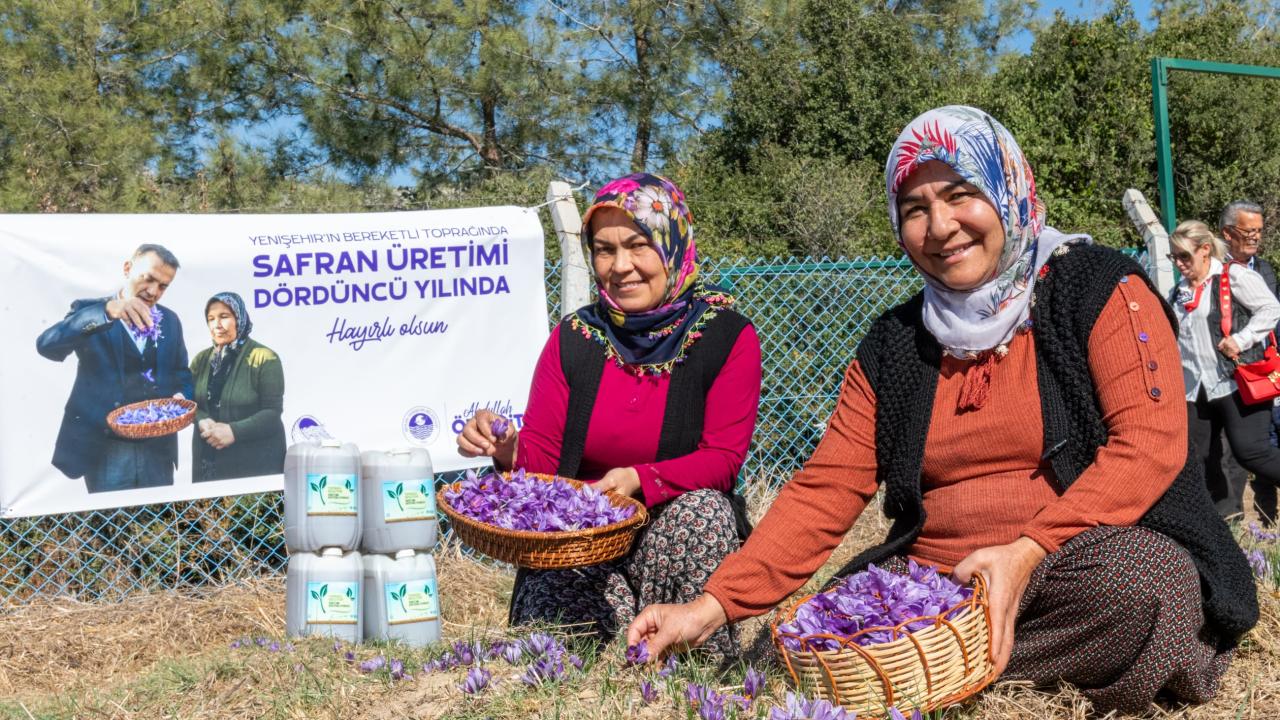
(809, 314)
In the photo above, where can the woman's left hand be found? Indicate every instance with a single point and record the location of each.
(218, 435)
(624, 481)
(1229, 348)
(1007, 569)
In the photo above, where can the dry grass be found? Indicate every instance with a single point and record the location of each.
(168, 655)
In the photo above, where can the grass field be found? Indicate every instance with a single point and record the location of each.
(221, 653)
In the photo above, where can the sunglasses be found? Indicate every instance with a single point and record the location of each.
(1179, 257)
(1250, 233)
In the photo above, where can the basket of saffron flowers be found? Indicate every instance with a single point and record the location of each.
(540, 521)
(151, 418)
(879, 639)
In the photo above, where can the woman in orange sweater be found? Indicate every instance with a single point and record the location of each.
(1024, 415)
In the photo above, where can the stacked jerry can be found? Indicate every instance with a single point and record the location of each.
(359, 529)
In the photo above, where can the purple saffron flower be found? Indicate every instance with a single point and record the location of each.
(648, 693)
(499, 427)
(512, 653)
(274, 646)
(1259, 534)
(799, 708)
(151, 333)
(638, 654)
(896, 714)
(262, 642)
(477, 680)
(235, 644)
(349, 656)
(372, 664)
(464, 652)
(397, 670)
(527, 503)
(576, 662)
(540, 644)
(753, 683)
(669, 667)
(544, 669)
(1259, 563)
(337, 646)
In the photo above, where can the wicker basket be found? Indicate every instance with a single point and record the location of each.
(548, 550)
(930, 668)
(155, 429)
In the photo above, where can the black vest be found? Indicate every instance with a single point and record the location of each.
(902, 362)
(582, 362)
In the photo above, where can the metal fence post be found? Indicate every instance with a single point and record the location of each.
(575, 277)
(1155, 236)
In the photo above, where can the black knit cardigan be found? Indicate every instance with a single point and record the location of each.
(901, 360)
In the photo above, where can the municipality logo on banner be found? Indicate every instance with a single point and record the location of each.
(420, 425)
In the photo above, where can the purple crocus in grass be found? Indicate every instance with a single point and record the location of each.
(540, 644)
(544, 669)
(648, 693)
(464, 652)
(709, 704)
(1258, 562)
(373, 664)
(235, 644)
(1259, 534)
(477, 680)
(800, 708)
(753, 683)
(668, 667)
(576, 662)
(896, 714)
(337, 646)
(274, 646)
(512, 653)
(349, 656)
(499, 427)
(397, 670)
(638, 654)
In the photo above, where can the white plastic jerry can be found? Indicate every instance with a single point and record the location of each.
(398, 500)
(321, 496)
(401, 598)
(322, 595)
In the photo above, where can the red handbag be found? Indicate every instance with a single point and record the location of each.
(1258, 382)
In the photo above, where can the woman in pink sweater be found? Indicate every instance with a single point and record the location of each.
(651, 391)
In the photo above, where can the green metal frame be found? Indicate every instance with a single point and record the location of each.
(1160, 68)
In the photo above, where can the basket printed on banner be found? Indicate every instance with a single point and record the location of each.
(160, 428)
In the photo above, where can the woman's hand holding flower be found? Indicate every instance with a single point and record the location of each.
(624, 481)
(1007, 569)
(218, 435)
(478, 439)
(676, 627)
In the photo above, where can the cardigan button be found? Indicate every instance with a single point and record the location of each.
(1133, 306)
(1152, 365)
(1155, 392)
(1143, 337)
(1124, 279)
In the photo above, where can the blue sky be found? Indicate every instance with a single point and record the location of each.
(1085, 9)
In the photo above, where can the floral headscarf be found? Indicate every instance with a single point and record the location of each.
(980, 150)
(655, 340)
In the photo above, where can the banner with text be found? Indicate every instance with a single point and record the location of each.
(383, 329)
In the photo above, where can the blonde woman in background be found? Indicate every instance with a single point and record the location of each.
(1209, 354)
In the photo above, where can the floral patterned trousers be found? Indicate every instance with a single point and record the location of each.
(673, 557)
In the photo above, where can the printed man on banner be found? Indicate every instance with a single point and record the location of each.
(128, 348)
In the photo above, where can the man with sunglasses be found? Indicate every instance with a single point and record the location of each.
(1241, 226)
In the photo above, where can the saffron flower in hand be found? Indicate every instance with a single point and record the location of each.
(499, 427)
(638, 654)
